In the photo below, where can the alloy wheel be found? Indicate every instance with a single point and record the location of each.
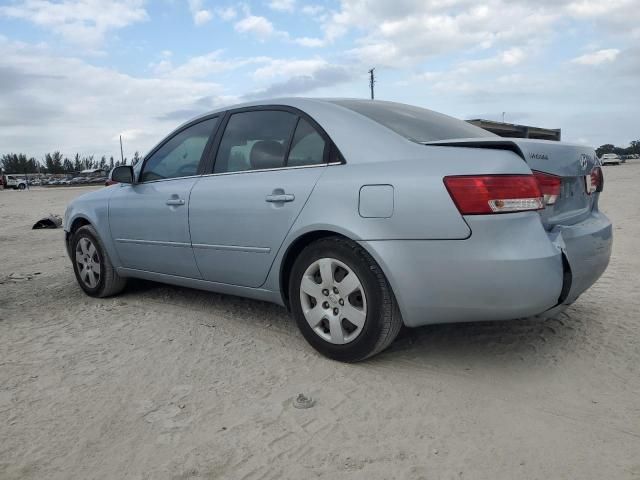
(88, 262)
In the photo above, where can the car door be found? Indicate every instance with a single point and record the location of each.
(149, 219)
(266, 166)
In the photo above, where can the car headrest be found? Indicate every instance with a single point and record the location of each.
(267, 154)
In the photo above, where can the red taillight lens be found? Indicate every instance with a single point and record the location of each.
(482, 194)
(595, 180)
(549, 186)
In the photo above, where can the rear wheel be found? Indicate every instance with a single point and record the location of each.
(22, 186)
(342, 301)
(93, 269)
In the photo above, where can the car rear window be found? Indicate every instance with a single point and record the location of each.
(415, 123)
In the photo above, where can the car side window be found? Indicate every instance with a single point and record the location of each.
(180, 156)
(255, 141)
(308, 146)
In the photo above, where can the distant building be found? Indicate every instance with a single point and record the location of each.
(518, 131)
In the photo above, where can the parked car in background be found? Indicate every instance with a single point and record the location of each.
(610, 159)
(359, 216)
(15, 182)
(109, 180)
(98, 180)
(36, 182)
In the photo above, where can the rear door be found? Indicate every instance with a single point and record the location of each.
(149, 220)
(266, 166)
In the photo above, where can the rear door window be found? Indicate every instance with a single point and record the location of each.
(308, 147)
(255, 140)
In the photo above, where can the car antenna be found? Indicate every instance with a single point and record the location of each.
(372, 81)
(121, 151)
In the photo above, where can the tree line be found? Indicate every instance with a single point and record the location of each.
(632, 149)
(56, 163)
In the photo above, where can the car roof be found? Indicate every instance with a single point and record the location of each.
(302, 103)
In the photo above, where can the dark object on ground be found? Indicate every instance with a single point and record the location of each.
(302, 401)
(52, 221)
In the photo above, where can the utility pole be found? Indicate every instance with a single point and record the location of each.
(121, 151)
(372, 81)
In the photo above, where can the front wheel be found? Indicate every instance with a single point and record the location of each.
(22, 186)
(91, 264)
(342, 301)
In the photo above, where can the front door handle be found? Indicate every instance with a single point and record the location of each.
(281, 197)
(175, 201)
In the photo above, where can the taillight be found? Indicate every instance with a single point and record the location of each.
(482, 194)
(595, 180)
(549, 186)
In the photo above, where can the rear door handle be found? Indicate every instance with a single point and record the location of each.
(282, 197)
(175, 201)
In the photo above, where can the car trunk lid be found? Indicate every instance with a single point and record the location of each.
(572, 163)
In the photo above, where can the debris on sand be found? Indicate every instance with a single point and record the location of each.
(302, 401)
(15, 277)
(52, 221)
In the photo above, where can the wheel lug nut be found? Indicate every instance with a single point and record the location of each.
(325, 305)
(335, 311)
(341, 302)
(335, 289)
(325, 292)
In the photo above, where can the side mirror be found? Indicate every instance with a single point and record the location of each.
(122, 174)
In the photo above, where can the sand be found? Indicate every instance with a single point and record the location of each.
(171, 383)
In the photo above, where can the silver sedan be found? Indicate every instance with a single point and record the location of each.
(358, 216)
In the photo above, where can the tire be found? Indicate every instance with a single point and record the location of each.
(107, 282)
(22, 186)
(371, 305)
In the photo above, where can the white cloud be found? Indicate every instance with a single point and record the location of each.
(288, 68)
(602, 9)
(312, 9)
(258, 26)
(282, 5)
(226, 14)
(82, 22)
(513, 56)
(407, 40)
(202, 66)
(200, 14)
(598, 57)
(53, 102)
(129, 134)
(296, 77)
(310, 42)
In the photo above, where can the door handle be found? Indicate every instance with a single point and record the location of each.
(175, 201)
(281, 197)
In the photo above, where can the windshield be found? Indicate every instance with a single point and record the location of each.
(414, 123)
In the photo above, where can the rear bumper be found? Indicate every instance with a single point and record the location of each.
(505, 270)
(587, 246)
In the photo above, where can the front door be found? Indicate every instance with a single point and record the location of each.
(149, 220)
(265, 169)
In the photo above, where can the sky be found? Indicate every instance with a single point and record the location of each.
(77, 74)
